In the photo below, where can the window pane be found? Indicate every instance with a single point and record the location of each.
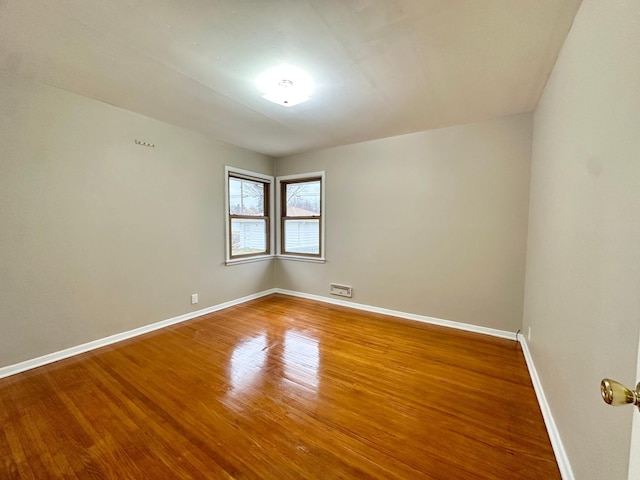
(303, 199)
(248, 236)
(246, 197)
(302, 236)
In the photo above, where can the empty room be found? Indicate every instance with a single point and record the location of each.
(320, 239)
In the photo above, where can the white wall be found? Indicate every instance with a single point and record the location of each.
(583, 266)
(432, 223)
(99, 235)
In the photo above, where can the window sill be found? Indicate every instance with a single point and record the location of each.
(296, 258)
(238, 261)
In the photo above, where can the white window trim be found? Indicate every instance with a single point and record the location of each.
(259, 176)
(300, 258)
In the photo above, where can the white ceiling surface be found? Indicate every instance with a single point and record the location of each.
(381, 67)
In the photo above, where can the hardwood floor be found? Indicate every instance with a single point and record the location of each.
(280, 388)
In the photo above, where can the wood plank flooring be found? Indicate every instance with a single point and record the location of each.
(280, 388)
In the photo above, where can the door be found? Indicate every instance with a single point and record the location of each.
(615, 393)
(634, 456)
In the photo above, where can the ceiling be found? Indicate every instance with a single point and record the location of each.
(381, 67)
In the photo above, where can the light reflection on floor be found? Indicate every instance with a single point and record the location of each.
(270, 359)
(302, 359)
(247, 361)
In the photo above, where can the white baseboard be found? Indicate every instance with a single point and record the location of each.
(554, 435)
(102, 342)
(408, 316)
(118, 337)
(552, 429)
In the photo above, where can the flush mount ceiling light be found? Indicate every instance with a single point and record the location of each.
(285, 85)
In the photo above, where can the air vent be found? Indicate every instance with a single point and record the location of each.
(340, 290)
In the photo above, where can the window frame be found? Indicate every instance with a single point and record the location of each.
(268, 182)
(281, 182)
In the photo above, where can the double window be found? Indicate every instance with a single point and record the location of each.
(300, 212)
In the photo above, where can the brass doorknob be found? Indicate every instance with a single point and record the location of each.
(615, 393)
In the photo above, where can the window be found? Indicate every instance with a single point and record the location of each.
(248, 214)
(301, 205)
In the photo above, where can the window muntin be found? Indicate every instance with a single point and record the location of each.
(249, 223)
(301, 217)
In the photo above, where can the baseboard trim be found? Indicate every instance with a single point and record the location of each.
(554, 434)
(408, 316)
(118, 337)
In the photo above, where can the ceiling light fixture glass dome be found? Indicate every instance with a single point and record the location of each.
(285, 85)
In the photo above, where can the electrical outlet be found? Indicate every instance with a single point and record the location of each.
(194, 299)
(529, 334)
